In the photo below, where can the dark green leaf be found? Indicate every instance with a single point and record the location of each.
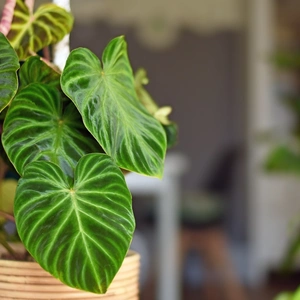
(172, 134)
(78, 231)
(34, 70)
(106, 98)
(37, 127)
(9, 64)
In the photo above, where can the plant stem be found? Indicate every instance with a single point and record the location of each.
(30, 5)
(7, 16)
(4, 243)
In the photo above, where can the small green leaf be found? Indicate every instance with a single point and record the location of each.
(9, 65)
(140, 80)
(106, 98)
(282, 159)
(79, 231)
(160, 113)
(37, 127)
(30, 33)
(172, 134)
(34, 70)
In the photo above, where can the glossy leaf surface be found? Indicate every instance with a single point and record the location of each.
(105, 96)
(30, 33)
(79, 230)
(9, 64)
(34, 70)
(37, 127)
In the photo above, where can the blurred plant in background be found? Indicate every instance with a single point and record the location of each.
(284, 158)
(289, 296)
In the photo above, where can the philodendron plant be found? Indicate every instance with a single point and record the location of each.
(71, 136)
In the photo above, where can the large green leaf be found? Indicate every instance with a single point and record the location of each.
(78, 231)
(37, 127)
(36, 70)
(32, 32)
(106, 98)
(9, 64)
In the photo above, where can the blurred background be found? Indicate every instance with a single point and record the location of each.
(224, 221)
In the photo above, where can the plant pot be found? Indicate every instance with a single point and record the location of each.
(27, 280)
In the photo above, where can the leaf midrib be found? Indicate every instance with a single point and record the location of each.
(82, 232)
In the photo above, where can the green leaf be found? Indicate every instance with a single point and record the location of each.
(172, 134)
(106, 98)
(148, 102)
(296, 295)
(30, 33)
(284, 296)
(79, 231)
(141, 79)
(35, 70)
(37, 127)
(283, 160)
(9, 64)
(286, 60)
(289, 295)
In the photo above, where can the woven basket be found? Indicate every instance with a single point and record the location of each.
(27, 280)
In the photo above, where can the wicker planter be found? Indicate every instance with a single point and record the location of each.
(27, 280)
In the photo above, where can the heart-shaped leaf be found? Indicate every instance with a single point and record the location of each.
(9, 64)
(30, 33)
(78, 231)
(35, 70)
(37, 127)
(106, 98)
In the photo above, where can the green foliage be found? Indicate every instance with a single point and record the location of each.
(28, 33)
(284, 160)
(79, 229)
(287, 60)
(160, 113)
(35, 70)
(105, 96)
(47, 130)
(289, 295)
(69, 137)
(8, 72)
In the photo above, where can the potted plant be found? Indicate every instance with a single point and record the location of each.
(71, 135)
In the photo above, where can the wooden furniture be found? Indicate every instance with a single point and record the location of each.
(221, 280)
